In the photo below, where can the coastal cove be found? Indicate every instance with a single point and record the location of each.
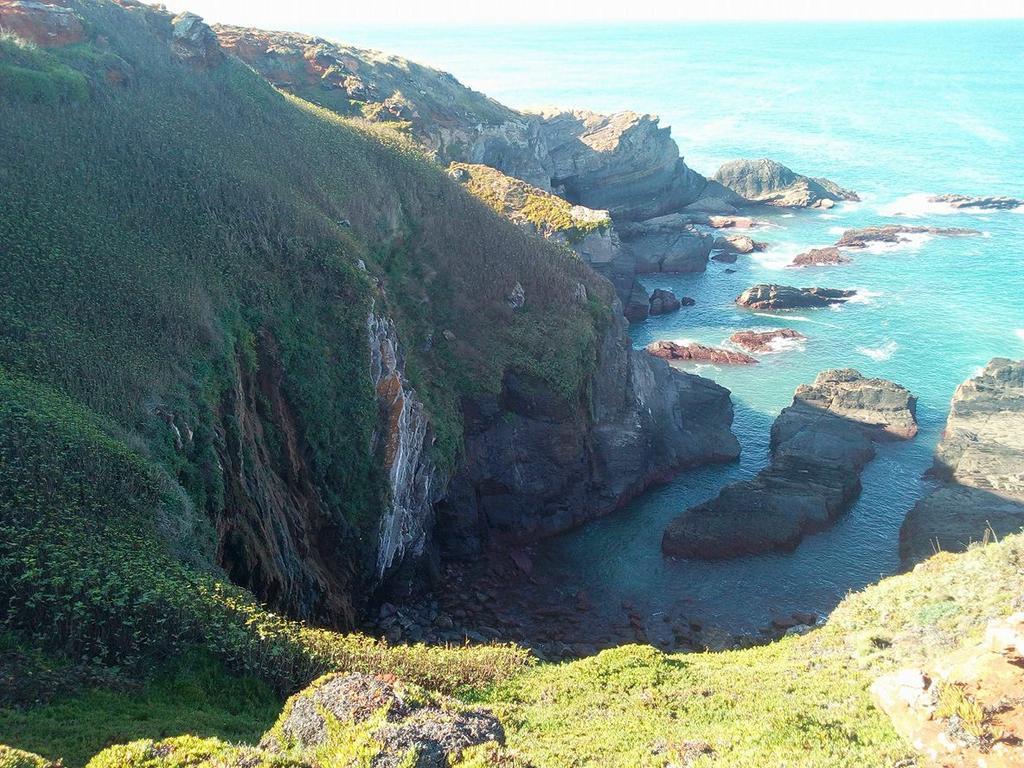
(929, 313)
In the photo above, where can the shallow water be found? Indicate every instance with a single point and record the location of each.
(894, 112)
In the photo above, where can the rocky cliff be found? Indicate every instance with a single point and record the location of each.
(980, 461)
(535, 465)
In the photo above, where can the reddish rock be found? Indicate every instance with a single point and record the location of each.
(46, 22)
(820, 257)
(763, 341)
(669, 350)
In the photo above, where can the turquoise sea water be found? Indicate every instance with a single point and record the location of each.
(896, 112)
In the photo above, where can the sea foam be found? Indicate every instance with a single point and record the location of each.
(879, 353)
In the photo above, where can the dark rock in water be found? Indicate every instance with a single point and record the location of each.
(771, 183)
(669, 350)
(438, 732)
(638, 306)
(535, 463)
(663, 302)
(666, 244)
(764, 341)
(979, 203)
(725, 257)
(687, 301)
(738, 244)
(729, 271)
(819, 446)
(819, 257)
(895, 233)
(981, 460)
(773, 296)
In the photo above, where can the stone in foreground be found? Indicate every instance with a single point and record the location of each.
(981, 460)
(774, 296)
(698, 353)
(819, 446)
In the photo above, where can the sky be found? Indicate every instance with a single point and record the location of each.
(311, 15)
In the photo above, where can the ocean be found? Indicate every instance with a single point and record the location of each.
(896, 112)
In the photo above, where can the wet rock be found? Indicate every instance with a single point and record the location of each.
(988, 203)
(687, 301)
(662, 302)
(738, 244)
(771, 183)
(670, 350)
(981, 461)
(774, 296)
(896, 233)
(819, 446)
(817, 257)
(725, 257)
(765, 341)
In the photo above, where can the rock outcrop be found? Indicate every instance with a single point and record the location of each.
(663, 302)
(47, 23)
(738, 244)
(773, 296)
(194, 42)
(819, 446)
(697, 353)
(533, 467)
(895, 234)
(816, 257)
(771, 183)
(765, 341)
(989, 203)
(402, 721)
(964, 709)
(980, 460)
(666, 244)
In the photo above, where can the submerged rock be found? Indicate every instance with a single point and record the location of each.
(764, 341)
(981, 461)
(819, 446)
(819, 257)
(669, 350)
(773, 296)
(662, 302)
(895, 233)
(988, 203)
(771, 183)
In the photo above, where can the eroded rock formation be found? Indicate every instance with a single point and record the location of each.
(46, 23)
(697, 353)
(765, 341)
(980, 460)
(820, 257)
(663, 302)
(773, 296)
(984, 203)
(819, 446)
(666, 244)
(771, 183)
(895, 234)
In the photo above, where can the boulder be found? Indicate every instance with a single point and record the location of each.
(988, 203)
(819, 446)
(725, 257)
(738, 244)
(980, 460)
(48, 24)
(895, 233)
(193, 41)
(764, 341)
(699, 353)
(662, 302)
(437, 729)
(773, 296)
(820, 257)
(770, 183)
(638, 304)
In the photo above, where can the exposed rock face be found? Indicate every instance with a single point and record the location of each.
(666, 244)
(819, 446)
(820, 257)
(771, 183)
(895, 233)
(403, 439)
(981, 461)
(193, 41)
(669, 350)
(765, 341)
(534, 466)
(772, 296)
(978, 203)
(739, 244)
(437, 731)
(43, 22)
(927, 707)
(663, 302)
(276, 534)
